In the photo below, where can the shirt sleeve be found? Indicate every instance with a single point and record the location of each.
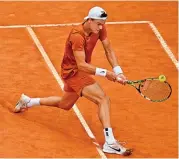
(103, 33)
(77, 42)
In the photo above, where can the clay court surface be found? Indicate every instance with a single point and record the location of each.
(151, 129)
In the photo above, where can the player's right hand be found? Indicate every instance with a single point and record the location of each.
(121, 79)
(111, 76)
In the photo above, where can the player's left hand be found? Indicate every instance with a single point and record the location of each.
(121, 79)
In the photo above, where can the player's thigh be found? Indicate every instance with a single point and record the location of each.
(94, 93)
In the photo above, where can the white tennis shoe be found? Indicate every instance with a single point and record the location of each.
(116, 148)
(22, 103)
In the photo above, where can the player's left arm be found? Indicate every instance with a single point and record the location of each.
(112, 59)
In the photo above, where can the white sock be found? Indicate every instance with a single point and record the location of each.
(109, 137)
(33, 101)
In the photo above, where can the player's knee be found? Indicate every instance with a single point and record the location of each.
(103, 99)
(66, 106)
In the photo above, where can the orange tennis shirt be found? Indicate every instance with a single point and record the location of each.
(77, 41)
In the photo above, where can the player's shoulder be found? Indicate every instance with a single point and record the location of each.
(76, 29)
(77, 32)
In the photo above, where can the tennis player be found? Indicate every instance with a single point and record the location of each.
(76, 72)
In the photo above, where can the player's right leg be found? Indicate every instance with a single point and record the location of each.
(65, 102)
(96, 94)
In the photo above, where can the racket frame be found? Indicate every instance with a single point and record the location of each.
(139, 82)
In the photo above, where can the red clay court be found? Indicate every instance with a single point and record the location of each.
(144, 36)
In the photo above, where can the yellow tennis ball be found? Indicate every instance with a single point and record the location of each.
(162, 78)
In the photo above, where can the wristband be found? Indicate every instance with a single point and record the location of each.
(117, 70)
(101, 72)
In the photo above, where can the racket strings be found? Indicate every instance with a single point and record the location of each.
(155, 90)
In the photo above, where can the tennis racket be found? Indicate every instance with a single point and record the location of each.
(153, 89)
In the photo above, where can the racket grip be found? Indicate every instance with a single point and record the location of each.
(119, 79)
(127, 82)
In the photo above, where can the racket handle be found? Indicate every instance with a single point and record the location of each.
(121, 80)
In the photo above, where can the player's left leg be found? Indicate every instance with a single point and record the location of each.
(65, 102)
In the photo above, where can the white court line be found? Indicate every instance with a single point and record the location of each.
(60, 82)
(67, 24)
(164, 44)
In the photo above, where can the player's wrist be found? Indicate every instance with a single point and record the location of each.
(117, 70)
(100, 72)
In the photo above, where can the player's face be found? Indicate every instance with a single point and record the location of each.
(96, 25)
